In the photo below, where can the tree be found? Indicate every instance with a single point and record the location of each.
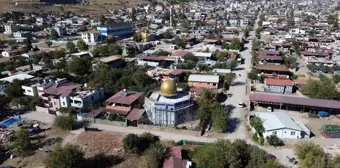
(71, 47)
(115, 49)
(167, 34)
(69, 156)
(130, 143)
(3, 104)
(54, 35)
(65, 122)
(61, 64)
(179, 42)
(22, 142)
(290, 62)
(155, 156)
(235, 44)
(222, 56)
(256, 122)
(336, 78)
(275, 141)
(14, 89)
(161, 53)
(220, 119)
(100, 50)
(48, 43)
(253, 74)
(229, 78)
(80, 66)
(272, 164)
(190, 58)
(322, 89)
(82, 45)
(111, 40)
(137, 37)
(146, 140)
(302, 149)
(233, 64)
(58, 54)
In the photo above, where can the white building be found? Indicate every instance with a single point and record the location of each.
(10, 28)
(91, 37)
(282, 125)
(36, 89)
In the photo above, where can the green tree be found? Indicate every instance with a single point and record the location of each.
(3, 104)
(233, 64)
(71, 47)
(65, 122)
(302, 149)
(179, 42)
(61, 65)
(115, 49)
(190, 58)
(80, 66)
(137, 37)
(273, 164)
(336, 78)
(290, 62)
(220, 119)
(236, 44)
(222, 56)
(155, 156)
(229, 78)
(256, 122)
(253, 75)
(130, 143)
(100, 50)
(82, 45)
(275, 141)
(69, 156)
(322, 89)
(161, 53)
(58, 54)
(14, 89)
(22, 142)
(167, 34)
(54, 35)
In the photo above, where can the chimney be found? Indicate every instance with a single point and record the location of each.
(124, 93)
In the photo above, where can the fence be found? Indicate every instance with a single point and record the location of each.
(107, 122)
(168, 129)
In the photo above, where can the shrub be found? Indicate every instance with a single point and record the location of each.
(64, 122)
(130, 143)
(255, 138)
(22, 142)
(69, 156)
(275, 141)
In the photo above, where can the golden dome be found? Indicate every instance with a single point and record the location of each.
(168, 88)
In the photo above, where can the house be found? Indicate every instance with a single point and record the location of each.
(4, 82)
(10, 28)
(175, 159)
(115, 29)
(280, 71)
(36, 88)
(60, 30)
(205, 81)
(21, 34)
(282, 125)
(266, 59)
(127, 104)
(278, 86)
(202, 56)
(70, 95)
(156, 61)
(113, 61)
(317, 57)
(91, 36)
(179, 53)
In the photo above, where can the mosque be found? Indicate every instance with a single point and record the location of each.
(168, 106)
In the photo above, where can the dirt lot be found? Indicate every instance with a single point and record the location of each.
(95, 7)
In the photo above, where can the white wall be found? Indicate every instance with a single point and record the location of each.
(141, 62)
(64, 101)
(30, 90)
(284, 133)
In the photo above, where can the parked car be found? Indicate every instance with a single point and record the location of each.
(241, 105)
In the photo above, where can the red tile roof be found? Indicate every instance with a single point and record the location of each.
(157, 58)
(271, 58)
(130, 97)
(309, 53)
(278, 82)
(272, 67)
(135, 114)
(271, 52)
(175, 159)
(180, 53)
(62, 90)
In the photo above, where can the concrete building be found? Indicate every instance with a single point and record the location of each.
(91, 37)
(10, 28)
(168, 106)
(279, 86)
(36, 88)
(282, 125)
(116, 29)
(60, 30)
(204, 81)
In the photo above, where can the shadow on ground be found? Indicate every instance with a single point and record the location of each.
(238, 84)
(233, 123)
